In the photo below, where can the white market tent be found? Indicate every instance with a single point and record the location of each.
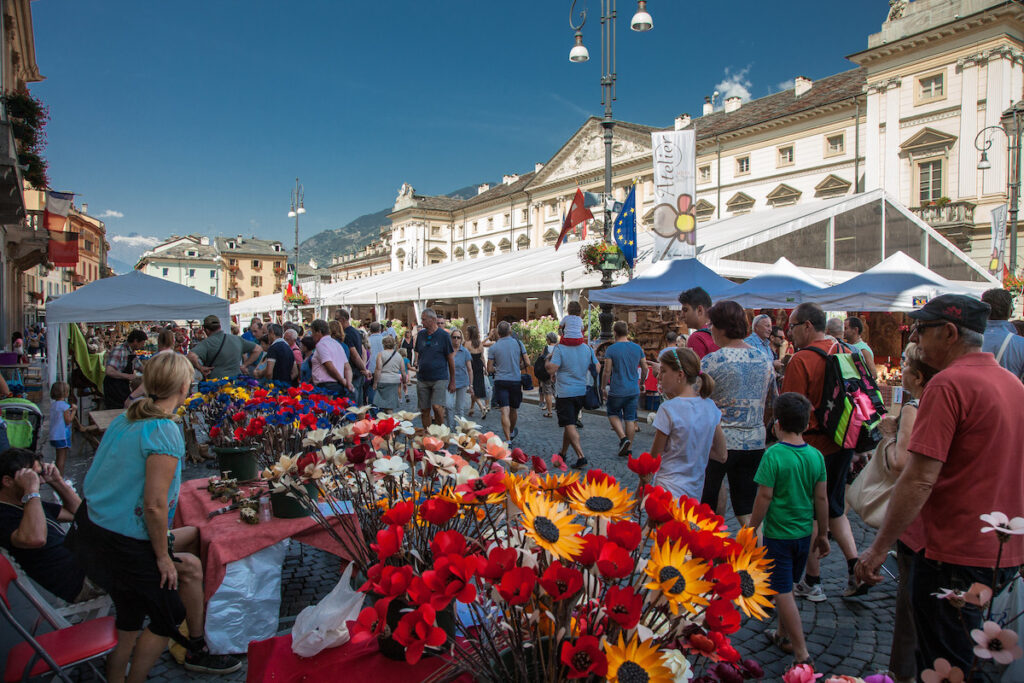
(133, 296)
(781, 286)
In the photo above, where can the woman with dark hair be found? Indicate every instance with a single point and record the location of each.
(742, 375)
(476, 354)
(308, 346)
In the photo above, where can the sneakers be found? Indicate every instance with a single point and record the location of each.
(580, 464)
(624, 447)
(579, 424)
(205, 662)
(854, 589)
(514, 434)
(813, 593)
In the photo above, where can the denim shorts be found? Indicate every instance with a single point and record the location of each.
(60, 443)
(623, 407)
(789, 557)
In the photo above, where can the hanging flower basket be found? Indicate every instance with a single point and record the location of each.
(601, 256)
(1014, 284)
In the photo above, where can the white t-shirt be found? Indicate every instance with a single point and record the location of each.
(390, 368)
(572, 327)
(690, 425)
(59, 430)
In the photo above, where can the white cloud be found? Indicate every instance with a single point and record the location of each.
(135, 241)
(735, 85)
(110, 213)
(784, 85)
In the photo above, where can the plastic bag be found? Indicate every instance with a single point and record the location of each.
(322, 625)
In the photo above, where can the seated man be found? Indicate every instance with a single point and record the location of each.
(30, 529)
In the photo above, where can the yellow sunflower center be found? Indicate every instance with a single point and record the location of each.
(667, 574)
(631, 672)
(599, 504)
(546, 529)
(747, 588)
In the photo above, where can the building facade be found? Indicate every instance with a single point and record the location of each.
(190, 260)
(253, 267)
(373, 259)
(904, 119)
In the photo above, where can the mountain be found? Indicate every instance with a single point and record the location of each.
(355, 235)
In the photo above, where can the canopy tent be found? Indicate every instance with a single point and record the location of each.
(133, 296)
(899, 283)
(781, 286)
(661, 283)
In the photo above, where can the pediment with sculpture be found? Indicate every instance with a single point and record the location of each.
(584, 152)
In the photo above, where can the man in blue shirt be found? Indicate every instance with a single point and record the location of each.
(621, 361)
(435, 374)
(761, 328)
(572, 364)
(506, 359)
(1001, 338)
(255, 331)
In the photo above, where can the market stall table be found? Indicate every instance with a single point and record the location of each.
(103, 418)
(227, 543)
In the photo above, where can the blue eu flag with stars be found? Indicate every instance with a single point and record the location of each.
(625, 228)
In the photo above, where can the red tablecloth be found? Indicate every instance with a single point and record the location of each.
(226, 538)
(273, 660)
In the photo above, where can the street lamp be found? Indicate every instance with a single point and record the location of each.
(640, 22)
(297, 209)
(1011, 124)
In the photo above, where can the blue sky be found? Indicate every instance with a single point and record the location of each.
(197, 116)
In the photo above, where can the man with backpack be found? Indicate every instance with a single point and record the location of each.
(805, 375)
(619, 374)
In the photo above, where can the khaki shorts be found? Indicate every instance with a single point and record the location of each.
(431, 393)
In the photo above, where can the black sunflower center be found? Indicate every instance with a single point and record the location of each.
(631, 672)
(667, 574)
(599, 504)
(546, 529)
(694, 526)
(746, 584)
(581, 660)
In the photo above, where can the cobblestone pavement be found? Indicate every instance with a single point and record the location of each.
(844, 636)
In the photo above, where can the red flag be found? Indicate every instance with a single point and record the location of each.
(55, 210)
(62, 249)
(577, 214)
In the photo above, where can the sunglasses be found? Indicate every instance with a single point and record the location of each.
(924, 326)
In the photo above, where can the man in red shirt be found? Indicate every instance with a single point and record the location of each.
(805, 375)
(696, 303)
(966, 460)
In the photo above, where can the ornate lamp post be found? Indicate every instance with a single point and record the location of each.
(1011, 124)
(297, 209)
(641, 21)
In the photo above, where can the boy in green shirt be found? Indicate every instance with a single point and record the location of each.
(791, 495)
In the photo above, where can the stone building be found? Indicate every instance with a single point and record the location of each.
(190, 260)
(254, 267)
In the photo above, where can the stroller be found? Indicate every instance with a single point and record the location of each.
(24, 419)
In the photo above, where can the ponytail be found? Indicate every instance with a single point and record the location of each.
(707, 384)
(163, 376)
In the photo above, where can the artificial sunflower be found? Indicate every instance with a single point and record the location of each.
(746, 538)
(636, 662)
(681, 581)
(518, 489)
(550, 525)
(698, 519)
(557, 484)
(754, 591)
(601, 499)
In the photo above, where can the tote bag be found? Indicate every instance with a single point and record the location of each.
(869, 493)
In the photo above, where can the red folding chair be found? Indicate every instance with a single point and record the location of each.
(56, 650)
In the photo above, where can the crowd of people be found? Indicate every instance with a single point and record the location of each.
(732, 400)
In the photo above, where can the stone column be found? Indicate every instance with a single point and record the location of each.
(891, 180)
(968, 156)
(872, 138)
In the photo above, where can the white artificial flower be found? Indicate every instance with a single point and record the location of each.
(440, 431)
(442, 462)
(404, 415)
(678, 664)
(465, 426)
(358, 411)
(393, 465)
(406, 427)
(1000, 523)
(315, 437)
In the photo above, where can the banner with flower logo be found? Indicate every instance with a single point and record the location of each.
(675, 190)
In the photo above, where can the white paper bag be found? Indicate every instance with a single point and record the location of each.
(322, 625)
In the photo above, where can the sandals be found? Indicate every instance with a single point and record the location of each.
(548, 415)
(780, 641)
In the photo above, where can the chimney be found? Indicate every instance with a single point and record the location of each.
(682, 121)
(732, 103)
(801, 84)
(537, 166)
(205, 241)
(85, 209)
(482, 188)
(509, 179)
(708, 107)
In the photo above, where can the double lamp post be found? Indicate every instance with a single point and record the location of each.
(1011, 124)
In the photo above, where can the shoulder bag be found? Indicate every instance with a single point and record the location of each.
(592, 399)
(525, 380)
(869, 493)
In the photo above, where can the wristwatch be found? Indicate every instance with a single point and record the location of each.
(29, 496)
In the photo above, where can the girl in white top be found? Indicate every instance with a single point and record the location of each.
(688, 429)
(62, 414)
(389, 375)
(571, 326)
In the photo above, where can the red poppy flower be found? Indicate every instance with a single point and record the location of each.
(561, 582)
(239, 433)
(516, 585)
(727, 581)
(370, 623)
(388, 542)
(450, 578)
(387, 580)
(307, 421)
(614, 562)
(358, 454)
(255, 427)
(384, 427)
(721, 616)
(626, 534)
(600, 476)
(539, 466)
(624, 606)
(727, 673)
(674, 531)
(659, 505)
(239, 416)
(706, 545)
(584, 657)
(713, 645)
(519, 456)
(591, 548)
(558, 462)
(644, 464)
(448, 543)
(476, 489)
(418, 629)
(400, 513)
(214, 432)
(305, 387)
(438, 511)
(499, 562)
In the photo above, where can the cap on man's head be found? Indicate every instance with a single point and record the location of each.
(211, 322)
(958, 309)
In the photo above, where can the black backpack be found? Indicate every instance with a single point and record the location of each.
(539, 371)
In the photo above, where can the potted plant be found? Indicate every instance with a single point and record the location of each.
(601, 256)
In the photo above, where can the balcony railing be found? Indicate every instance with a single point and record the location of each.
(959, 213)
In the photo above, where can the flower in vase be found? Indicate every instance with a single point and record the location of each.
(389, 541)
(388, 580)
(561, 582)
(384, 428)
(399, 514)
(433, 443)
(314, 438)
(995, 642)
(978, 594)
(626, 534)
(390, 466)
(681, 581)
(721, 616)
(584, 657)
(516, 586)
(614, 562)
(499, 562)
(659, 504)
(590, 549)
(417, 630)
(601, 499)
(551, 527)
(442, 462)
(944, 672)
(645, 464)
(438, 511)
(636, 662)
(488, 488)
(624, 606)
(370, 623)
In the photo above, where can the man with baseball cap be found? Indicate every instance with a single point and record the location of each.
(220, 354)
(966, 460)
